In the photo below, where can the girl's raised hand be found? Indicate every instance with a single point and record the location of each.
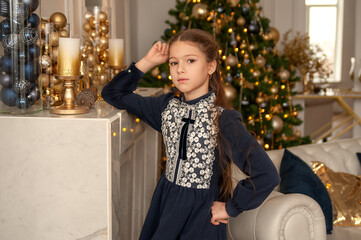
(219, 213)
(158, 54)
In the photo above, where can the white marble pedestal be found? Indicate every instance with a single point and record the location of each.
(87, 177)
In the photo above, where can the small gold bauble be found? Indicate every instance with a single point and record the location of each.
(103, 78)
(297, 133)
(45, 80)
(87, 43)
(266, 37)
(64, 33)
(59, 88)
(284, 74)
(83, 56)
(90, 49)
(260, 100)
(260, 60)
(277, 124)
(102, 16)
(241, 21)
(46, 48)
(230, 92)
(94, 33)
(104, 29)
(274, 89)
(87, 15)
(264, 51)
(92, 22)
(199, 11)
(87, 27)
(231, 60)
(233, 3)
(103, 42)
(155, 72)
(274, 34)
(48, 71)
(58, 19)
(95, 82)
(54, 39)
(256, 73)
(246, 55)
(45, 61)
(54, 55)
(98, 50)
(252, 47)
(238, 38)
(294, 113)
(243, 44)
(104, 56)
(90, 62)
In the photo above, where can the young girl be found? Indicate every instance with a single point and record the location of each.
(194, 197)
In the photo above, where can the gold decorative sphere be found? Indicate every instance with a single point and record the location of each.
(274, 89)
(241, 21)
(102, 16)
(54, 39)
(260, 60)
(103, 78)
(58, 19)
(231, 60)
(260, 100)
(46, 48)
(233, 3)
(277, 124)
(155, 72)
(103, 42)
(266, 37)
(256, 73)
(238, 38)
(45, 61)
(284, 74)
(54, 80)
(54, 55)
(90, 62)
(230, 92)
(104, 56)
(87, 27)
(92, 22)
(44, 80)
(104, 29)
(297, 133)
(199, 11)
(274, 34)
(64, 33)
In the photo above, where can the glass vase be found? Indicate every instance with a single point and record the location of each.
(20, 57)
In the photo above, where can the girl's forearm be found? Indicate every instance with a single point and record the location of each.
(144, 65)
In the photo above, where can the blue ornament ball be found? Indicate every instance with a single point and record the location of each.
(5, 80)
(22, 103)
(32, 71)
(8, 96)
(31, 4)
(5, 26)
(34, 95)
(34, 20)
(4, 8)
(34, 51)
(6, 64)
(29, 35)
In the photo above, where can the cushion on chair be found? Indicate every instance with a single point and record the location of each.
(298, 177)
(345, 193)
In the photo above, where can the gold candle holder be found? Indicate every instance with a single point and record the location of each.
(69, 106)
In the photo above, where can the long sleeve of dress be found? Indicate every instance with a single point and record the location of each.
(119, 93)
(251, 159)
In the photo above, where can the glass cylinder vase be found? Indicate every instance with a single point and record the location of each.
(95, 43)
(20, 57)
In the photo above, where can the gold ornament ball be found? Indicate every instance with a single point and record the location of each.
(230, 92)
(90, 62)
(256, 73)
(199, 11)
(87, 27)
(260, 61)
(104, 29)
(54, 39)
(297, 133)
(155, 72)
(233, 3)
(103, 78)
(104, 56)
(238, 38)
(45, 80)
(295, 113)
(260, 100)
(103, 42)
(87, 15)
(46, 48)
(274, 34)
(54, 80)
(83, 56)
(92, 22)
(231, 60)
(243, 44)
(59, 88)
(241, 21)
(94, 33)
(277, 124)
(266, 37)
(284, 74)
(45, 61)
(264, 51)
(252, 47)
(102, 17)
(54, 55)
(58, 19)
(246, 55)
(64, 33)
(274, 89)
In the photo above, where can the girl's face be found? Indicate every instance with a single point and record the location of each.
(189, 69)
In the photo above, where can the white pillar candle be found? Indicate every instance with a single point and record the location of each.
(69, 57)
(116, 52)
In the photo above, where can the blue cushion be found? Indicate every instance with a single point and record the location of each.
(298, 177)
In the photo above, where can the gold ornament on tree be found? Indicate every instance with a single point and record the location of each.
(230, 92)
(233, 3)
(200, 11)
(277, 124)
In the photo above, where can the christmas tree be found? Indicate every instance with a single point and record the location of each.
(257, 79)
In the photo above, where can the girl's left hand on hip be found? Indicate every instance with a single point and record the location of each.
(219, 213)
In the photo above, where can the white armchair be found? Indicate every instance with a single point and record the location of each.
(297, 216)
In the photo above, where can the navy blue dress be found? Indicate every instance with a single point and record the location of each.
(181, 204)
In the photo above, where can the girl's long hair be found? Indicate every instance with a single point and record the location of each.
(207, 44)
